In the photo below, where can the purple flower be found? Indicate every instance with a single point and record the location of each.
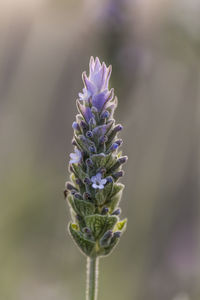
(75, 157)
(96, 85)
(98, 182)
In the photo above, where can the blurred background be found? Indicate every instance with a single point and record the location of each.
(154, 48)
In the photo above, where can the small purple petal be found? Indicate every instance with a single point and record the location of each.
(86, 111)
(91, 64)
(99, 100)
(97, 64)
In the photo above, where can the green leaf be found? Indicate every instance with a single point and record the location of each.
(99, 224)
(85, 245)
(84, 208)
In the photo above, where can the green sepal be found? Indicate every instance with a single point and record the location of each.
(84, 208)
(85, 245)
(109, 160)
(98, 159)
(115, 196)
(73, 179)
(99, 224)
(100, 198)
(79, 171)
(102, 160)
(71, 202)
(108, 189)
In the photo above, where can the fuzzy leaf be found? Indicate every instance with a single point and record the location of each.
(84, 208)
(84, 244)
(99, 224)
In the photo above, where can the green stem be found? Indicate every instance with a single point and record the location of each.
(92, 278)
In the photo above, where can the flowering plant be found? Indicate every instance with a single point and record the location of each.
(94, 192)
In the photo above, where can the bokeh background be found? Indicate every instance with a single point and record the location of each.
(154, 47)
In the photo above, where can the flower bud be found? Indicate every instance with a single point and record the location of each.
(119, 142)
(69, 186)
(114, 147)
(92, 149)
(113, 134)
(117, 234)
(83, 125)
(87, 181)
(117, 212)
(78, 196)
(118, 174)
(109, 179)
(73, 192)
(78, 181)
(118, 128)
(87, 230)
(89, 162)
(86, 196)
(105, 115)
(76, 126)
(104, 241)
(104, 211)
(89, 134)
(118, 163)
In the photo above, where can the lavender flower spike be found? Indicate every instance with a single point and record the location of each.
(96, 167)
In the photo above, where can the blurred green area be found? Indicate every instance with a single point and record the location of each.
(153, 47)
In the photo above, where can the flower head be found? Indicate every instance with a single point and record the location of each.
(75, 157)
(98, 182)
(96, 85)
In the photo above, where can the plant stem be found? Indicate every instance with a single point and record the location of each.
(92, 278)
